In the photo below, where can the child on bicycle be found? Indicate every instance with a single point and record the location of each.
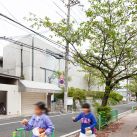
(88, 121)
(40, 123)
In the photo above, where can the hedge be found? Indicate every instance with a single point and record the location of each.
(80, 94)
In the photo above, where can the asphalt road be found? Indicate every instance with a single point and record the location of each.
(63, 123)
(124, 107)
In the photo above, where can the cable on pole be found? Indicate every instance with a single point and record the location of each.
(31, 30)
(46, 51)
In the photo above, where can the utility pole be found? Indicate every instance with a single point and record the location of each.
(21, 58)
(32, 75)
(69, 5)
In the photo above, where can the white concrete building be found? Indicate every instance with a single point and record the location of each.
(29, 92)
(10, 97)
(38, 67)
(18, 96)
(45, 64)
(78, 80)
(42, 61)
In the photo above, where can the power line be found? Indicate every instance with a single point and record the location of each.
(78, 2)
(22, 29)
(56, 55)
(31, 30)
(14, 25)
(46, 51)
(63, 11)
(77, 15)
(62, 1)
(59, 14)
(59, 8)
(7, 10)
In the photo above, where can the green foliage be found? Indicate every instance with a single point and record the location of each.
(111, 34)
(114, 97)
(112, 101)
(57, 74)
(80, 94)
(92, 77)
(77, 94)
(105, 113)
(132, 86)
(58, 96)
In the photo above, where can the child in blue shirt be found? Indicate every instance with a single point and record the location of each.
(40, 123)
(88, 121)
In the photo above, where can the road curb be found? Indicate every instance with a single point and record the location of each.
(75, 133)
(121, 115)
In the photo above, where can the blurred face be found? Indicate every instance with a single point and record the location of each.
(85, 110)
(37, 110)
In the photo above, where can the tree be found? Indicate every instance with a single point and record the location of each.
(89, 79)
(92, 77)
(132, 87)
(77, 94)
(111, 33)
(112, 36)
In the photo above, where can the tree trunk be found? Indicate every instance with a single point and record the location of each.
(136, 96)
(106, 94)
(89, 82)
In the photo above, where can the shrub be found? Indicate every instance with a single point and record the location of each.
(76, 93)
(58, 96)
(114, 97)
(80, 94)
(112, 101)
(105, 113)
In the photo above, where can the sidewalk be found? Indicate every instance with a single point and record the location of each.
(128, 127)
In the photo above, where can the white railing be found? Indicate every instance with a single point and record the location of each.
(72, 134)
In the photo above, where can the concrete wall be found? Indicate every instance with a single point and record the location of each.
(77, 77)
(11, 60)
(13, 99)
(78, 80)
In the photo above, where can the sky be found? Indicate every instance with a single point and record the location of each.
(18, 9)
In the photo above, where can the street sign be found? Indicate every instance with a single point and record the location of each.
(70, 101)
(61, 80)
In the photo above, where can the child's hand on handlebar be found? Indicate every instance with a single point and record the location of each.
(24, 122)
(41, 130)
(73, 118)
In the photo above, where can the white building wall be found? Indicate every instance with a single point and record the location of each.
(77, 77)
(12, 59)
(13, 99)
(78, 80)
(9, 58)
(12, 55)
